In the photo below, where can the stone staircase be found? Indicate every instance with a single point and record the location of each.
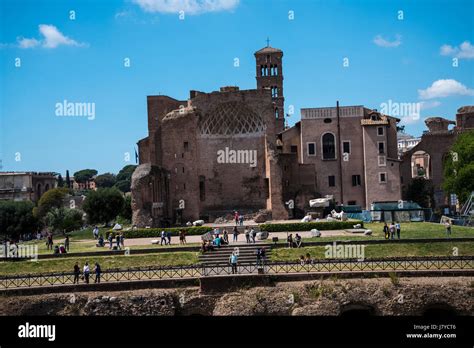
(247, 254)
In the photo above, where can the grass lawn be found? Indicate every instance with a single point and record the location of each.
(384, 250)
(106, 262)
(83, 241)
(408, 230)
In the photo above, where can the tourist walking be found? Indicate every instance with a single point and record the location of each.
(225, 236)
(253, 233)
(289, 240)
(448, 228)
(236, 234)
(97, 271)
(247, 235)
(181, 237)
(163, 237)
(95, 232)
(397, 226)
(66, 243)
(236, 218)
(86, 272)
(117, 241)
(122, 240)
(49, 242)
(111, 239)
(169, 237)
(260, 257)
(392, 230)
(233, 262)
(241, 220)
(386, 231)
(77, 272)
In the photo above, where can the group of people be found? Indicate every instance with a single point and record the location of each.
(250, 235)
(57, 249)
(86, 271)
(234, 259)
(239, 219)
(294, 242)
(217, 241)
(306, 259)
(389, 231)
(165, 237)
(119, 241)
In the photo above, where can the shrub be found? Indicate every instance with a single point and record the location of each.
(156, 232)
(308, 226)
(17, 218)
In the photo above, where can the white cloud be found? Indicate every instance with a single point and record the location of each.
(425, 105)
(444, 88)
(122, 14)
(464, 51)
(54, 38)
(51, 38)
(380, 41)
(411, 119)
(191, 7)
(27, 43)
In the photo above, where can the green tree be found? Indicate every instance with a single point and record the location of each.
(64, 219)
(17, 218)
(123, 185)
(60, 180)
(82, 176)
(103, 205)
(459, 167)
(124, 178)
(53, 198)
(105, 180)
(68, 180)
(420, 190)
(126, 212)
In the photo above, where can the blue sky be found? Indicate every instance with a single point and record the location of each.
(403, 57)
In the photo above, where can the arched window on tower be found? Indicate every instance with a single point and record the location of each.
(277, 113)
(274, 92)
(262, 71)
(266, 70)
(329, 146)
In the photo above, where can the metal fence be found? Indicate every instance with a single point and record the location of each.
(460, 263)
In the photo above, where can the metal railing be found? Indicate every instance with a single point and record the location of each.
(459, 263)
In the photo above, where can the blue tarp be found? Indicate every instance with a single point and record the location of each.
(364, 216)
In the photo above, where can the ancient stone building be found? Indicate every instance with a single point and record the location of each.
(427, 157)
(228, 150)
(347, 152)
(25, 186)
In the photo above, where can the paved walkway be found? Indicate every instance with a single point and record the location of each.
(241, 237)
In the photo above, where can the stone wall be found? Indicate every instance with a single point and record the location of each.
(382, 296)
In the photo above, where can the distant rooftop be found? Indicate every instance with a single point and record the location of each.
(27, 173)
(269, 49)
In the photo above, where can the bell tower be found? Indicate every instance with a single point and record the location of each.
(269, 64)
